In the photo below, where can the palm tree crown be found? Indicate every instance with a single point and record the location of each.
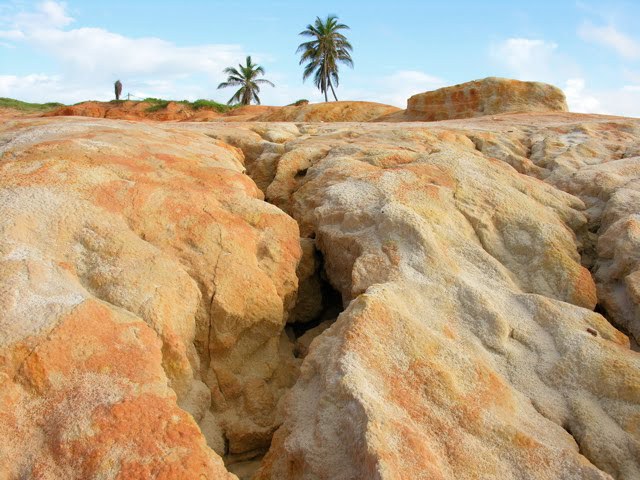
(246, 77)
(324, 51)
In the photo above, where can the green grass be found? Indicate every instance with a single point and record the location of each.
(28, 107)
(297, 103)
(212, 104)
(157, 104)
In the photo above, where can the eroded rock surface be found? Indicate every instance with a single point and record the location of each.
(599, 162)
(141, 272)
(469, 348)
(462, 252)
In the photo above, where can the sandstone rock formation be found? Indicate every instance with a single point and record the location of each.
(599, 162)
(489, 96)
(470, 325)
(141, 271)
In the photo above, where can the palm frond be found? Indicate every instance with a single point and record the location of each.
(264, 81)
(327, 48)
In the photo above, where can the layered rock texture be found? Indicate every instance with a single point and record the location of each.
(148, 288)
(489, 96)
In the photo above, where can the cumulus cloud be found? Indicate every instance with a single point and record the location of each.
(97, 56)
(48, 14)
(396, 88)
(541, 60)
(578, 99)
(526, 58)
(610, 36)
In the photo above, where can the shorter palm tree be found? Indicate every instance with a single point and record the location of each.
(246, 77)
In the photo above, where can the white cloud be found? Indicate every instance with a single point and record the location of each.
(396, 88)
(540, 60)
(578, 99)
(48, 14)
(11, 34)
(526, 58)
(93, 58)
(624, 101)
(611, 37)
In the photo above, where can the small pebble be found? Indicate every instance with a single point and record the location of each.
(592, 331)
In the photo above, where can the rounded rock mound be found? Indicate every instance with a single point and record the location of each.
(489, 96)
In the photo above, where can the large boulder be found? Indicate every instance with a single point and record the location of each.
(489, 96)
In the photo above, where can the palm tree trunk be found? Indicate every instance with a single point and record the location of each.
(324, 79)
(333, 91)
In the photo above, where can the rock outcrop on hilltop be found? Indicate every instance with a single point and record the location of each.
(147, 286)
(489, 96)
(176, 111)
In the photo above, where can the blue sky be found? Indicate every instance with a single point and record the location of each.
(74, 50)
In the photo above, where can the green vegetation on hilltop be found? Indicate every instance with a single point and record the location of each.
(298, 103)
(157, 104)
(27, 107)
(220, 107)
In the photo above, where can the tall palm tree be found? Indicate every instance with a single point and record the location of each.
(246, 77)
(322, 54)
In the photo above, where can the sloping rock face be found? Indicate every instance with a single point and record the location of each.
(469, 347)
(599, 162)
(144, 288)
(489, 96)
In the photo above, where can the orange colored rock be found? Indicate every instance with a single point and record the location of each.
(161, 228)
(133, 110)
(87, 397)
(175, 111)
(489, 96)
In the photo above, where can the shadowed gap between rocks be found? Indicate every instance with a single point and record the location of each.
(317, 308)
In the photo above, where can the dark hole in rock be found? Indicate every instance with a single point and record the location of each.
(318, 305)
(331, 308)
